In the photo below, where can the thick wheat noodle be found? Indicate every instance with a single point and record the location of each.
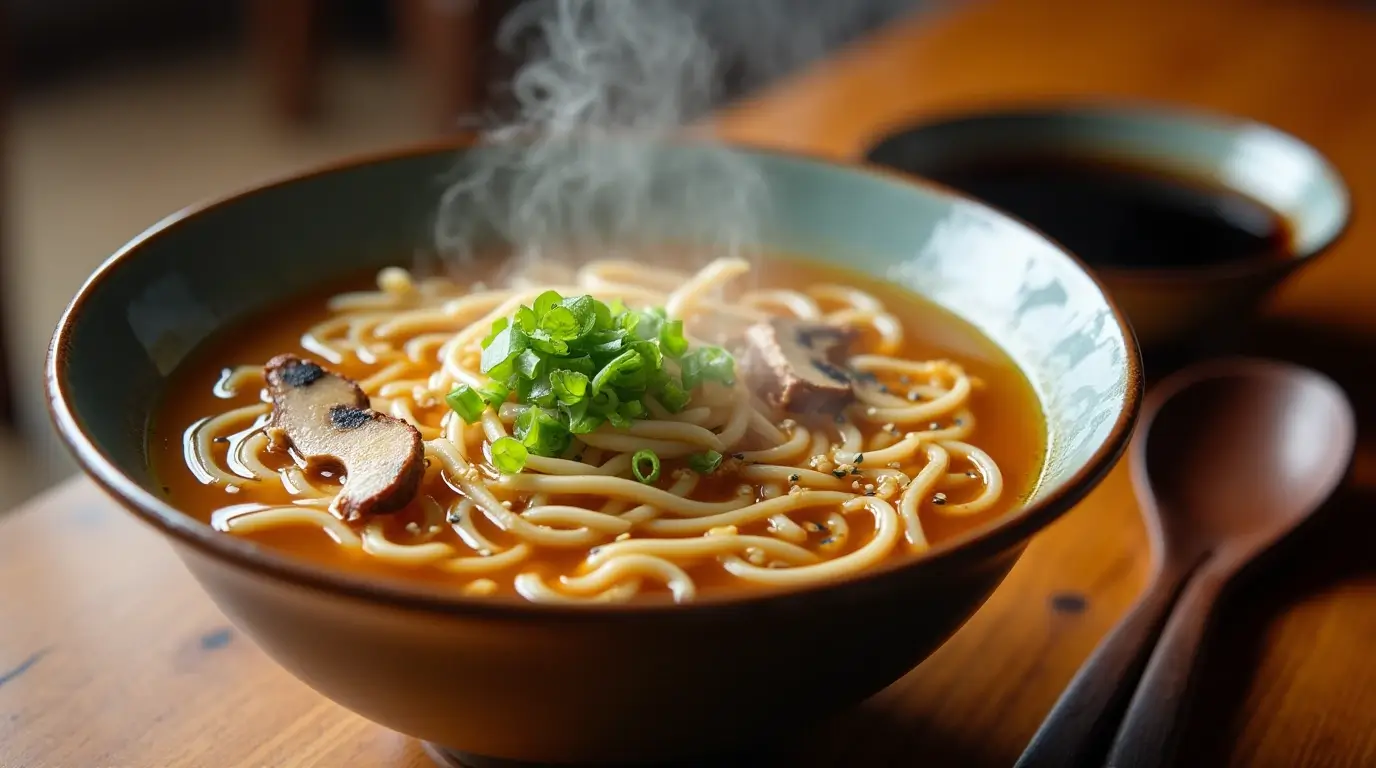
(376, 543)
(271, 518)
(887, 532)
(992, 487)
(373, 383)
(629, 490)
(851, 439)
(920, 489)
(782, 473)
(203, 434)
(461, 513)
(574, 517)
(782, 525)
(683, 485)
(793, 446)
(838, 533)
(233, 380)
(243, 453)
(422, 349)
(533, 588)
(799, 305)
(687, 526)
(853, 298)
(499, 561)
(702, 547)
(619, 569)
(712, 276)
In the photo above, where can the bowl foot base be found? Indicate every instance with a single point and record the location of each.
(450, 758)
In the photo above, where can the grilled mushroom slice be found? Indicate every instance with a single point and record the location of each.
(799, 366)
(327, 419)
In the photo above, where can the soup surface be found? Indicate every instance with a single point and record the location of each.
(1115, 214)
(941, 433)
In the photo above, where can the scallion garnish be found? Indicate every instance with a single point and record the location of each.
(572, 364)
(466, 402)
(509, 455)
(705, 462)
(639, 462)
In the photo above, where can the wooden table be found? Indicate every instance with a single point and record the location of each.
(111, 656)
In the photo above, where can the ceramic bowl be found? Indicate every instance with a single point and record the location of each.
(1168, 308)
(597, 685)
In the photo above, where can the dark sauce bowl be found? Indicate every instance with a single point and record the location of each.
(1190, 219)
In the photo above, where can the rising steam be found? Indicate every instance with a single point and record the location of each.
(582, 168)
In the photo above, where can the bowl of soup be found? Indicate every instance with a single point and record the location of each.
(1189, 218)
(651, 502)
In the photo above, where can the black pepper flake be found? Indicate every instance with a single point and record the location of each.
(905, 379)
(855, 470)
(859, 459)
(578, 457)
(828, 540)
(838, 473)
(793, 478)
(840, 418)
(884, 389)
(220, 439)
(959, 422)
(869, 493)
(453, 518)
(738, 456)
(939, 499)
(167, 489)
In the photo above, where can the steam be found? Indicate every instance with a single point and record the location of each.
(590, 164)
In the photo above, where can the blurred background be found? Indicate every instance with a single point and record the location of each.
(116, 113)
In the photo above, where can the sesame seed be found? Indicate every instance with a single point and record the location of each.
(971, 474)
(506, 504)
(412, 528)
(624, 536)
(934, 427)
(868, 486)
(939, 499)
(871, 411)
(890, 427)
(855, 485)
(220, 439)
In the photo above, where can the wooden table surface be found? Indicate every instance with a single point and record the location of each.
(111, 656)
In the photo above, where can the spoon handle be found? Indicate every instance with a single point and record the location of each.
(1081, 725)
(1149, 734)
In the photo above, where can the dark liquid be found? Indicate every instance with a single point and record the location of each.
(1114, 215)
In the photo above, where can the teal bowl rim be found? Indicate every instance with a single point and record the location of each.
(970, 547)
(1182, 114)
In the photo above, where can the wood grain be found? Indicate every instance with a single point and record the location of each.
(111, 656)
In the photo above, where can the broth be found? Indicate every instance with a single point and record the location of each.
(1010, 429)
(1119, 215)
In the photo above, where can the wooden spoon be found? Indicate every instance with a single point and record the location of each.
(1230, 457)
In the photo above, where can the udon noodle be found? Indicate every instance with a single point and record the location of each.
(797, 499)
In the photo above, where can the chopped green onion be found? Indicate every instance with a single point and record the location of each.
(671, 338)
(506, 345)
(544, 302)
(581, 420)
(625, 363)
(569, 386)
(705, 462)
(560, 323)
(645, 457)
(708, 363)
(525, 319)
(465, 402)
(508, 455)
(494, 393)
(529, 364)
(671, 394)
(542, 432)
(498, 326)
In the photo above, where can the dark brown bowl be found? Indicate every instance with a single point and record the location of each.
(595, 684)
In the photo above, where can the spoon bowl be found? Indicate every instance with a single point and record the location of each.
(1238, 452)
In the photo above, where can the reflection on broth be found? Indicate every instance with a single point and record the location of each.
(626, 434)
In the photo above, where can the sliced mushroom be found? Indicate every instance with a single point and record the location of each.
(799, 366)
(327, 419)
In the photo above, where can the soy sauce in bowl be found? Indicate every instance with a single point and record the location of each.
(1119, 216)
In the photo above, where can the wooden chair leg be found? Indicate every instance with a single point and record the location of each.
(447, 42)
(285, 39)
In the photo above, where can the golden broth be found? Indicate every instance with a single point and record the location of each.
(1009, 428)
